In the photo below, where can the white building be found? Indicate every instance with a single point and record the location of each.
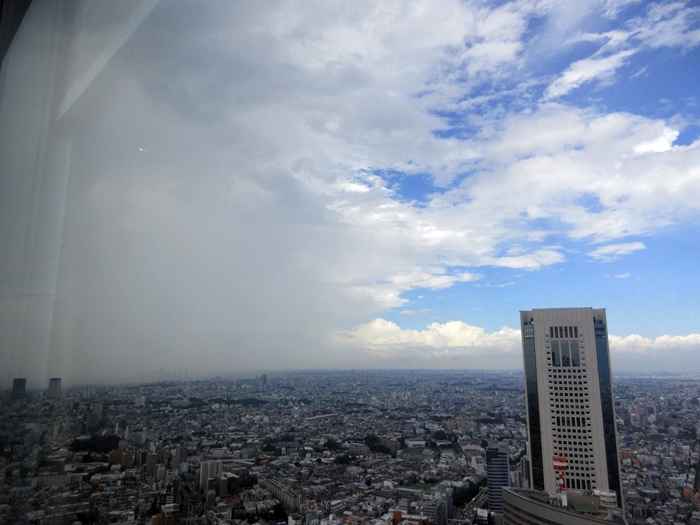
(570, 409)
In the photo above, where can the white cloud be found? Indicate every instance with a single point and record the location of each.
(387, 291)
(585, 71)
(659, 145)
(663, 345)
(669, 24)
(542, 162)
(531, 261)
(612, 252)
(431, 278)
(665, 353)
(663, 25)
(500, 285)
(438, 343)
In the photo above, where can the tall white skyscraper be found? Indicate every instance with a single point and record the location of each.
(569, 399)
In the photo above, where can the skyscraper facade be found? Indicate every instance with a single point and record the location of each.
(569, 399)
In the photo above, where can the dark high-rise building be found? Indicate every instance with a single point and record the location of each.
(179, 456)
(570, 410)
(496, 475)
(151, 463)
(54, 387)
(19, 387)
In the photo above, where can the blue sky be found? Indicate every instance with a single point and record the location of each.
(373, 184)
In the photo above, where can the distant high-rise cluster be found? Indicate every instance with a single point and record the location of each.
(19, 387)
(570, 409)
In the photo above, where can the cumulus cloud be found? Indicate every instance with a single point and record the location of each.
(661, 144)
(663, 344)
(456, 343)
(438, 343)
(664, 353)
(550, 158)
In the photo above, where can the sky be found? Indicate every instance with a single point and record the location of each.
(262, 186)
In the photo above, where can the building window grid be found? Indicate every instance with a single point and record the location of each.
(579, 441)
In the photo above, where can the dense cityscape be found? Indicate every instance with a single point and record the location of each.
(324, 217)
(315, 448)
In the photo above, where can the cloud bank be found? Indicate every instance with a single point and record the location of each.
(457, 344)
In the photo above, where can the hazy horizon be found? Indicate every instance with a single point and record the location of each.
(154, 378)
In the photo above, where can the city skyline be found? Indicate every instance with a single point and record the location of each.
(423, 435)
(258, 187)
